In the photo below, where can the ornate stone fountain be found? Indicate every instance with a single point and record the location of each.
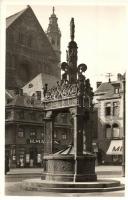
(72, 169)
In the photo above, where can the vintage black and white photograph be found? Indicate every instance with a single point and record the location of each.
(65, 98)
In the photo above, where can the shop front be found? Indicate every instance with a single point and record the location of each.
(115, 150)
(29, 156)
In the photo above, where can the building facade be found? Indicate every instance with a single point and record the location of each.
(108, 101)
(24, 125)
(29, 51)
(32, 60)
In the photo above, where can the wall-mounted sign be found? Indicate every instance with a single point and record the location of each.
(36, 141)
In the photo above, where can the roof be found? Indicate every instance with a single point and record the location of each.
(104, 87)
(106, 90)
(25, 101)
(12, 18)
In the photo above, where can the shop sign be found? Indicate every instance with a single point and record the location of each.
(36, 141)
(115, 148)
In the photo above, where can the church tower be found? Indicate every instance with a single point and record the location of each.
(54, 34)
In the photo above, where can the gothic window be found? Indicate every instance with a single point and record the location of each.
(108, 131)
(20, 132)
(29, 40)
(21, 38)
(108, 109)
(115, 109)
(115, 131)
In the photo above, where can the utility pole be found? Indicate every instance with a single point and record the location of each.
(123, 156)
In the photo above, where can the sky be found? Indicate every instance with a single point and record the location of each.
(100, 33)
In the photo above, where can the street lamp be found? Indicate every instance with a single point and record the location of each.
(123, 157)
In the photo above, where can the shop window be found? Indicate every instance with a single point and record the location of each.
(108, 109)
(115, 131)
(20, 132)
(117, 159)
(27, 158)
(115, 109)
(39, 158)
(108, 131)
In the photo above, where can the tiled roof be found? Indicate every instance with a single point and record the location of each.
(107, 90)
(104, 87)
(110, 95)
(12, 18)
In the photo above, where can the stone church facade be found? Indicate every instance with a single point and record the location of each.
(32, 57)
(29, 51)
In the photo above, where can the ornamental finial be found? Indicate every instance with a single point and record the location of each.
(72, 29)
(53, 10)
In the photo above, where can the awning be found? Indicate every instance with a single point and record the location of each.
(115, 148)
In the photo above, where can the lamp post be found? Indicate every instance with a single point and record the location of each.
(123, 156)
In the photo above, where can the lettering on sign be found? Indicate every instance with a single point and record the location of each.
(119, 148)
(36, 141)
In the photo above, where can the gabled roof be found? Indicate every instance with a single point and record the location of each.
(12, 18)
(104, 88)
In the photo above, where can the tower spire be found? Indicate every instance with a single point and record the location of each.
(54, 34)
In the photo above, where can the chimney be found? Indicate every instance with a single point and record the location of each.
(38, 95)
(98, 84)
(119, 77)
